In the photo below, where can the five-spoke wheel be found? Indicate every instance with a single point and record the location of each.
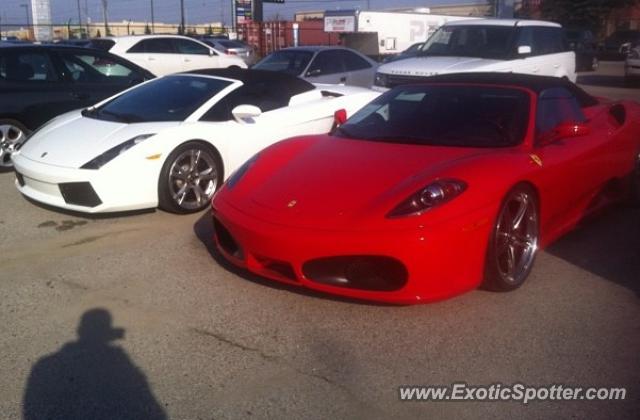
(514, 240)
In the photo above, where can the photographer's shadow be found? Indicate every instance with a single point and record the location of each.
(90, 378)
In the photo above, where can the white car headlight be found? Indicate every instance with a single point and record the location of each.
(99, 161)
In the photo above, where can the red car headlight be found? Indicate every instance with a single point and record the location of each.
(433, 195)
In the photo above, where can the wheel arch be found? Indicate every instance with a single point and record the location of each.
(212, 147)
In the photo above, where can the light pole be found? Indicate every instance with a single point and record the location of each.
(152, 19)
(181, 31)
(105, 15)
(26, 9)
(79, 21)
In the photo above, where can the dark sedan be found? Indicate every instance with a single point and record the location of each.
(39, 82)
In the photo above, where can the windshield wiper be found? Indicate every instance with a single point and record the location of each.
(401, 138)
(125, 118)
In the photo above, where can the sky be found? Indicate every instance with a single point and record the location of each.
(196, 11)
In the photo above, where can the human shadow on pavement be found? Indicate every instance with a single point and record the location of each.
(90, 378)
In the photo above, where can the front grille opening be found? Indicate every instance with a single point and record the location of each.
(226, 241)
(282, 268)
(80, 194)
(20, 179)
(363, 272)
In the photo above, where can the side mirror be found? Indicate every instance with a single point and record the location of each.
(212, 53)
(339, 118)
(524, 49)
(246, 114)
(314, 72)
(564, 131)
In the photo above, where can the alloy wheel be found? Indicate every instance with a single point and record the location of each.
(516, 237)
(193, 179)
(10, 137)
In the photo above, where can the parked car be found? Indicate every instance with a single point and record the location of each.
(618, 44)
(322, 65)
(233, 47)
(172, 141)
(39, 82)
(632, 65)
(585, 46)
(165, 54)
(403, 203)
(412, 51)
(486, 45)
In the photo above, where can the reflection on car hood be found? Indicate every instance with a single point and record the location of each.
(430, 66)
(74, 140)
(339, 182)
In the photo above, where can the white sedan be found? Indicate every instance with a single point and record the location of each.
(170, 142)
(165, 54)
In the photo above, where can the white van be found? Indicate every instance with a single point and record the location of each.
(486, 45)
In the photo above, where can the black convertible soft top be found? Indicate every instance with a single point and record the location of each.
(291, 85)
(535, 83)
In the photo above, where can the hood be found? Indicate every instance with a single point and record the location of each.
(339, 182)
(431, 66)
(74, 140)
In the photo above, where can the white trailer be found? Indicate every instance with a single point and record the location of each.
(378, 34)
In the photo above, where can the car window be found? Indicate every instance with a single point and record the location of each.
(326, 62)
(353, 61)
(547, 40)
(153, 45)
(184, 46)
(27, 66)
(445, 115)
(265, 95)
(556, 106)
(95, 68)
(169, 98)
(289, 61)
(482, 41)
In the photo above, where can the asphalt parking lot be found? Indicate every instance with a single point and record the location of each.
(192, 338)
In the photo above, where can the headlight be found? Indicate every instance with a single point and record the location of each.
(433, 195)
(380, 79)
(109, 155)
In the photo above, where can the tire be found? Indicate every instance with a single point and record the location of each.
(189, 177)
(12, 133)
(513, 244)
(634, 198)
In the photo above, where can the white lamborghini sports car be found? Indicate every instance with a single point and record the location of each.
(172, 141)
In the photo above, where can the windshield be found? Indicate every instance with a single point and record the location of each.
(482, 41)
(443, 115)
(171, 98)
(292, 62)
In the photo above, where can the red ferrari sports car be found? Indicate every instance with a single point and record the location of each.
(432, 189)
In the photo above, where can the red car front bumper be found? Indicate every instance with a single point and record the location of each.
(439, 262)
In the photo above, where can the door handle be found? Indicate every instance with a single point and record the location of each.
(79, 96)
(186, 60)
(151, 59)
